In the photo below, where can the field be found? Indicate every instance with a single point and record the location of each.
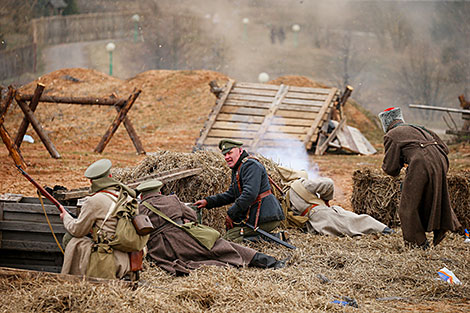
(376, 271)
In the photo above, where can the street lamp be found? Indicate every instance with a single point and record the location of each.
(296, 29)
(110, 48)
(245, 26)
(136, 19)
(263, 77)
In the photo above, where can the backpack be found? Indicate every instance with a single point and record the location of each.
(126, 237)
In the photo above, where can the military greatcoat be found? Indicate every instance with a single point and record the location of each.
(424, 203)
(78, 250)
(174, 250)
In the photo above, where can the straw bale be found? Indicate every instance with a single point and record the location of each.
(375, 270)
(215, 177)
(378, 195)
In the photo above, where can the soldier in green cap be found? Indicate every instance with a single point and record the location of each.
(176, 251)
(249, 193)
(94, 217)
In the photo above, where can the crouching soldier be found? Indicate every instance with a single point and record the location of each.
(172, 247)
(89, 248)
(249, 193)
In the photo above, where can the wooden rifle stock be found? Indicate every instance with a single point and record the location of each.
(44, 192)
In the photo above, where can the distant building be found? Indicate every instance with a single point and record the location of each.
(56, 7)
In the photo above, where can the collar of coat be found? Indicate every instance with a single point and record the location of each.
(240, 160)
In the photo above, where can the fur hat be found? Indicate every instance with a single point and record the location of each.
(389, 115)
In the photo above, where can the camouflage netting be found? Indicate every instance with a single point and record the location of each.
(378, 195)
(215, 177)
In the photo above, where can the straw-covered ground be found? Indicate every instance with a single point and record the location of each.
(375, 271)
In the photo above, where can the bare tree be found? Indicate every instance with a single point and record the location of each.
(422, 79)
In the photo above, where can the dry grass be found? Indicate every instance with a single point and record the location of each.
(369, 269)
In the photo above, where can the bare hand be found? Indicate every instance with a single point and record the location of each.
(201, 203)
(228, 223)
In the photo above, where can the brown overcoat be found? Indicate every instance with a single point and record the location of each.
(176, 251)
(424, 204)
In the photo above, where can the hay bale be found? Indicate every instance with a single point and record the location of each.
(378, 195)
(215, 177)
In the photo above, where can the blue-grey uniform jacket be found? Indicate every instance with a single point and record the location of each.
(253, 182)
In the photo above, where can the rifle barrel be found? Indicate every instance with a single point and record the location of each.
(270, 236)
(43, 191)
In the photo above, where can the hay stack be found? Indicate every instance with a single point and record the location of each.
(378, 195)
(215, 177)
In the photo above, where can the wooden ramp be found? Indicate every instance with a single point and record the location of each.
(267, 116)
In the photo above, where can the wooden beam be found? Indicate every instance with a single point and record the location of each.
(74, 100)
(429, 107)
(321, 148)
(215, 111)
(38, 128)
(14, 151)
(132, 133)
(311, 135)
(281, 93)
(117, 121)
(25, 123)
(167, 177)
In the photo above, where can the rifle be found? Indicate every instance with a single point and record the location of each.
(268, 235)
(45, 193)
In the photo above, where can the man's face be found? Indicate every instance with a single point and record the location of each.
(232, 156)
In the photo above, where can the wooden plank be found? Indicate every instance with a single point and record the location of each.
(232, 134)
(250, 98)
(297, 114)
(30, 227)
(287, 129)
(32, 105)
(29, 208)
(346, 140)
(306, 96)
(214, 141)
(11, 197)
(248, 104)
(301, 108)
(283, 89)
(214, 113)
(31, 217)
(117, 121)
(35, 267)
(243, 111)
(257, 92)
(235, 126)
(303, 102)
(363, 145)
(239, 118)
(32, 237)
(279, 120)
(276, 136)
(291, 88)
(316, 123)
(322, 147)
(38, 128)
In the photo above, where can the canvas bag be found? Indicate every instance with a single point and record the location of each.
(204, 235)
(101, 263)
(126, 237)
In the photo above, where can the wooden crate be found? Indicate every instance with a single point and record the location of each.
(267, 116)
(26, 241)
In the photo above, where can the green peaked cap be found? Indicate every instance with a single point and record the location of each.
(225, 145)
(150, 185)
(98, 169)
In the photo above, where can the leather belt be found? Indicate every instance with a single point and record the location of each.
(305, 212)
(263, 195)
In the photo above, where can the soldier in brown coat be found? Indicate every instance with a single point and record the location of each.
(424, 204)
(175, 251)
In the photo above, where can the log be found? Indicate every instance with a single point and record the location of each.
(132, 133)
(117, 121)
(25, 123)
(74, 100)
(11, 147)
(321, 148)
(38, 128)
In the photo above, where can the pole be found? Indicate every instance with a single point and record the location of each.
(110, 63)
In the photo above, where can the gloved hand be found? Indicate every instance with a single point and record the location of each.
(228, 223)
